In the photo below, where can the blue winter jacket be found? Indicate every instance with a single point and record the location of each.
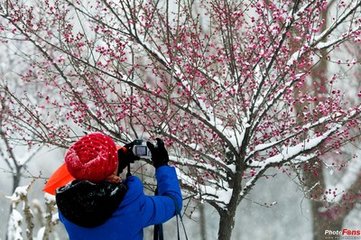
(135, 211)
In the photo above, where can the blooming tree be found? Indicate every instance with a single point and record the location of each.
(15, 159)
(220, 81)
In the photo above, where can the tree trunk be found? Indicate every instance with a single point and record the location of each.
(226, 224)
(203, 223)
(16, 183)
(332, 219)
(323, 222)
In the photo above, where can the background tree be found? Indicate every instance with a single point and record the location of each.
(24, 216)
(331, 181)
(216, 79)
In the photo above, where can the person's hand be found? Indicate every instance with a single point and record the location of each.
(126, 156)
(113, 179)
(159, 153)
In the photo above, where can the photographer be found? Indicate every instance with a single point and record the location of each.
(99, 205)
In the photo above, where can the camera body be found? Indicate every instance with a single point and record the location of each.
(141, 150)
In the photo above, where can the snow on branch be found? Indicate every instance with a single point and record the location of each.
(15, 231)
(288, 153)
(316, 42)
(333, 42)
(324, 120)
(15, 220)
(25, 218)
(216, 194)
(212, 168)
(335, 24)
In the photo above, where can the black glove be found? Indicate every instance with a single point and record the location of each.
(126, 156)
(159, 153)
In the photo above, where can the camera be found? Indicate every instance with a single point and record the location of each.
(141, 150)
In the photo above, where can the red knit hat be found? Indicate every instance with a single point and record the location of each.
(93, 157)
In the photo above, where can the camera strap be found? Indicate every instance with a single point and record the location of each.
(179, 217)
(158, 232)
(128, 171)
(158, 228)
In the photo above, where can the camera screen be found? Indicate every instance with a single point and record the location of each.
(141, 150)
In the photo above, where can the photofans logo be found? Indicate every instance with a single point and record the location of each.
(343, 234)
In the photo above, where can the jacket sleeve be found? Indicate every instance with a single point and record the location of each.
(159, 209)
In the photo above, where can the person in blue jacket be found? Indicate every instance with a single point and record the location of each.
(98, 205)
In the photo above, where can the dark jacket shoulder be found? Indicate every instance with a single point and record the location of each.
(89, 204)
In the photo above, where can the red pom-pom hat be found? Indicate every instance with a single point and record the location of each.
(93, 157)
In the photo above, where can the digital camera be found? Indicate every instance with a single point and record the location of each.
(141, 150)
